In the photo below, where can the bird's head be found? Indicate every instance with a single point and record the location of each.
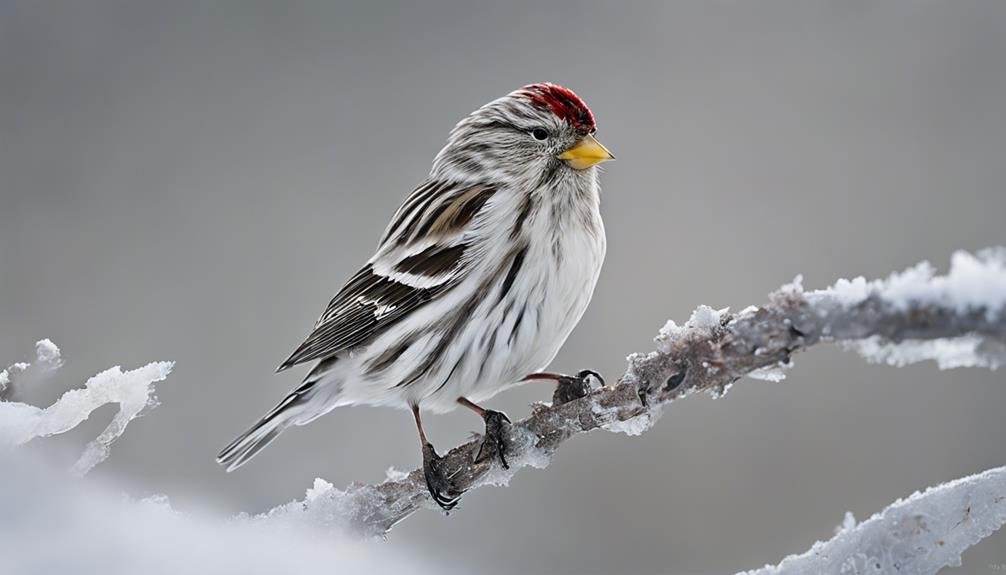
(536, 130)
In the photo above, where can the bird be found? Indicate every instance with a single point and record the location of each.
(475, 285)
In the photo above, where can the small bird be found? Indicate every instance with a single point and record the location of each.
(476, 283)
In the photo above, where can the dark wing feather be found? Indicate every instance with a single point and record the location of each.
(405, 277)
(368, 304)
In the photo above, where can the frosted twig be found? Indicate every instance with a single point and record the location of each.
(919, 535)
(957, 319)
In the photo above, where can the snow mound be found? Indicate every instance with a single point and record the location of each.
(49, 524)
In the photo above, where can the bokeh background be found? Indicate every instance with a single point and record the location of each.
(193, 180)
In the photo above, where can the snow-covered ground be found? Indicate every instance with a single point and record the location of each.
(54, 521)
(54, 524)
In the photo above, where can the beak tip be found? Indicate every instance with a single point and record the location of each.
(585, 153)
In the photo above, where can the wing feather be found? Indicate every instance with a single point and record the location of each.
(421, 255)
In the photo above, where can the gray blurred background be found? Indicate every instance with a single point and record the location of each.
(193, 180)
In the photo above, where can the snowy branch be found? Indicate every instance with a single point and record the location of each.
(958, 319)
(921, 534)
(133, 391)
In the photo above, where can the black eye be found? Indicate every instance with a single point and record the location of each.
(539, 134)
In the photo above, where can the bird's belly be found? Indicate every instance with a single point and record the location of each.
(522, 334)
(498, 341)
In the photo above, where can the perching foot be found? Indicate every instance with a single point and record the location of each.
(568, 387)
(494, 442)
(441, 486)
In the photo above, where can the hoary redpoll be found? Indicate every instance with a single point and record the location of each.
(478, 279)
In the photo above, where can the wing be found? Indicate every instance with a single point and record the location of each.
(423, 253)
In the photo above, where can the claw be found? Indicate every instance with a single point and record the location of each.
(585, 373)
(570, 387)
(494, 440)
(440, 485)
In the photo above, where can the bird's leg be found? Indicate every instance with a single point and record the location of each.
(438, 482)
(568, 387)
(494, 440)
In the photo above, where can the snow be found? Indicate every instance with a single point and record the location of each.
(975, 282)
(132, 390)
(771, 373)
(849, 292)
(703, 320)
(965, 351)
(848, 522)
(918, 535)
(324, 507)
(47, 360)
(524, 442)
(794, 287)
(52, 524)
(633, 426)
(393, 474)
(48, 355)
(364, 511)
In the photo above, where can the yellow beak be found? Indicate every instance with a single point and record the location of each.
(586, 153)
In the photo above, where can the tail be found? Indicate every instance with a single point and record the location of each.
(290, 411)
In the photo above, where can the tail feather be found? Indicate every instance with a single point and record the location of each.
(317, 395)
(249, 443)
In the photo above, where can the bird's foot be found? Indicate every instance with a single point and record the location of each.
(494, 442)
(569, 387)
(440, 484)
